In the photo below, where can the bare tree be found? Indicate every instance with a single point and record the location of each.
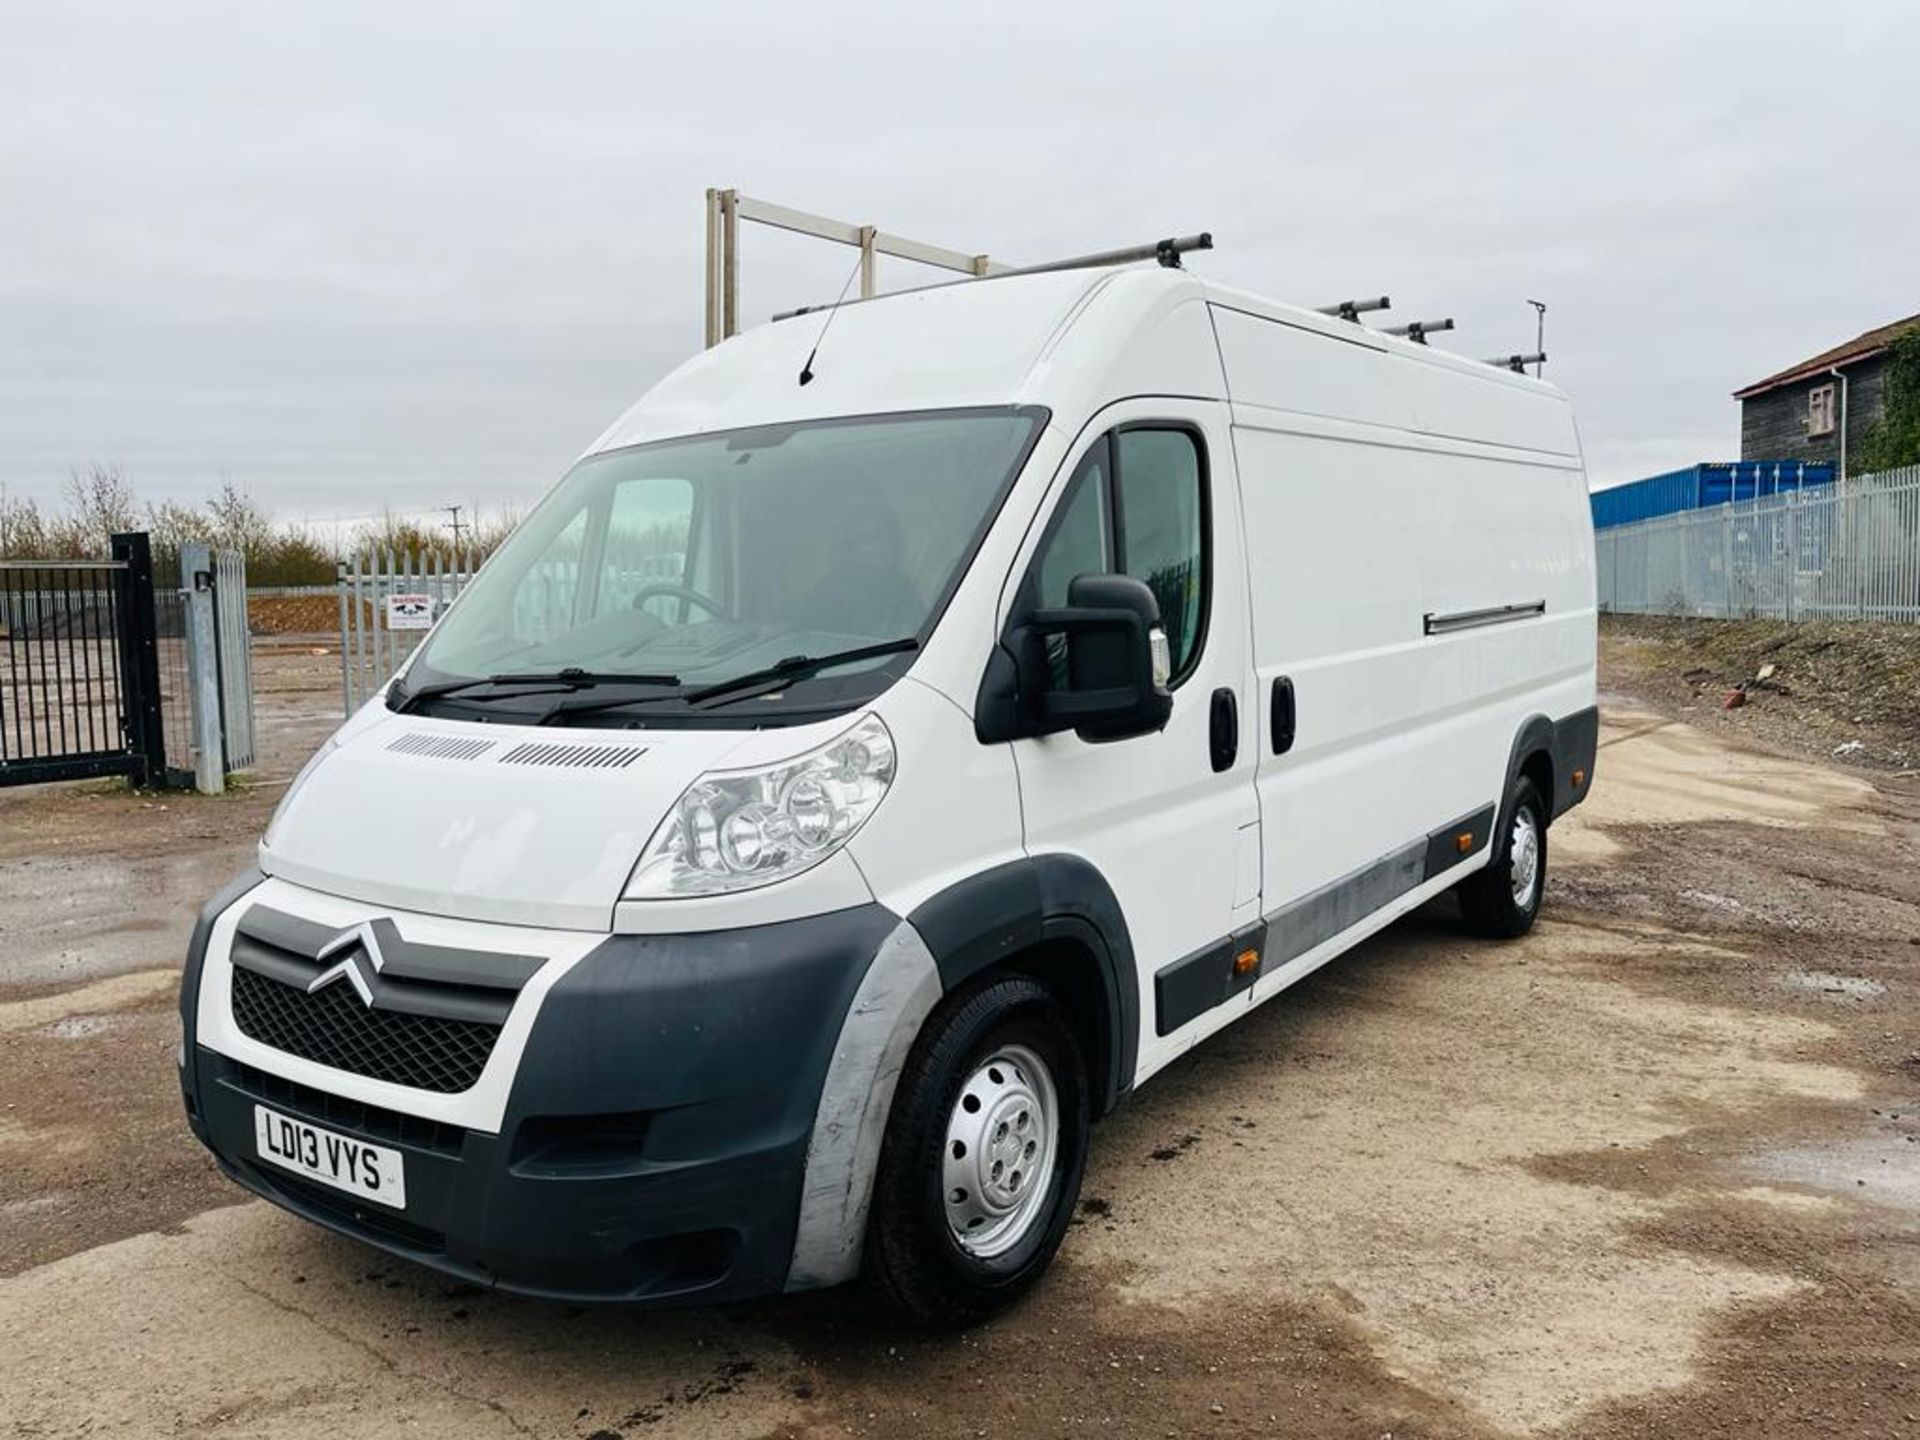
(23, 530)
(238, 522)
(101, 504)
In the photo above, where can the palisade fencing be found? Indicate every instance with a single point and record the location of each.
(389, 599)
(206, 661)
(1845, 552)
(233, 651)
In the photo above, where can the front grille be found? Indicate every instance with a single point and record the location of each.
(333, 1027)
(339, 1112)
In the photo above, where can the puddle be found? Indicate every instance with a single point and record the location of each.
(1883, 1168)
(1825, 982)
(72, 918)
(84, 1002)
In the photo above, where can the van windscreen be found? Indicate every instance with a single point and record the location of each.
(720, 555)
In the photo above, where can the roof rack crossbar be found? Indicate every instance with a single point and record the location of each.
(1354, 309)
(1518, 363)
(1167, 252)
(1418, 330)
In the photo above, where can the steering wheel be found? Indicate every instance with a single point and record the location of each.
(681, 592)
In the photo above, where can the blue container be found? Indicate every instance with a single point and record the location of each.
(1700, 486)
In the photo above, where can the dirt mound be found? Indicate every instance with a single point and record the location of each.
(297, 614)
(1847, 690)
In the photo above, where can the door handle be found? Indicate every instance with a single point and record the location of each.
(1223, 729)
(1280, 715)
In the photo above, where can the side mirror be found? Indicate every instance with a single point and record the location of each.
(1116, 672)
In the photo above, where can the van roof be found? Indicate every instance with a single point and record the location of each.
(1061, 339)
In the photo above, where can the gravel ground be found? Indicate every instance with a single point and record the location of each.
(1652, 1171)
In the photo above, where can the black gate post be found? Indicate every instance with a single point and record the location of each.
(140, 659)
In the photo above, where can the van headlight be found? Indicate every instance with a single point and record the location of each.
(739, 829)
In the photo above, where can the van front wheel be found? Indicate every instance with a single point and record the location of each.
(984, 1150)
(1503, 900)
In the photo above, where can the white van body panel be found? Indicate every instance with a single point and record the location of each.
(1071, 341)
(942, 348)
(962, 810)
(548, 842)
(1383, 488)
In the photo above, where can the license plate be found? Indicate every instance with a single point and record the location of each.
(373, 1172)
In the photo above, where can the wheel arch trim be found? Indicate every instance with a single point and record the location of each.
(994, 917)
(896, 995)
(985, 921)
(1534, 737)
(1567, 747)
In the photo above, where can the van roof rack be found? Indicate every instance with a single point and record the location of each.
(727, 208)
(1418, 330)
(1354, 309)
(1518, 363)
(1166, 253)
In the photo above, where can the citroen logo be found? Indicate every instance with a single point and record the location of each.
(351, 968)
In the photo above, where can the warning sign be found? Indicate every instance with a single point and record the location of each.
(409, 612)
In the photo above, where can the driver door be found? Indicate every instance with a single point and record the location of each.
(1170, 819)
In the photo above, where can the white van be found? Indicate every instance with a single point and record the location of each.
(838, 795)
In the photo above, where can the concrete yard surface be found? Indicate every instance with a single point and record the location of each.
(1653, 1170)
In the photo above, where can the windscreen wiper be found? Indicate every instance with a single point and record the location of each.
(798, 667)
(563, 681)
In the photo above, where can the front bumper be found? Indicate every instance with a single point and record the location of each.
(655, 1139)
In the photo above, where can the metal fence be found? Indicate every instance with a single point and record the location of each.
(1851, 552)
(80, 675)
(233, 647)
(107, 670)
(176, 687)
(388, 601)
(203, 620)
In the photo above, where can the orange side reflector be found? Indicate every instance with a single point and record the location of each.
(1579, 778)
(1464, 840)
(1245, 961)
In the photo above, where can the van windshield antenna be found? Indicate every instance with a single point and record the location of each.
(806, 370)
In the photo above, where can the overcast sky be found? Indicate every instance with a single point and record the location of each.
(358, 256)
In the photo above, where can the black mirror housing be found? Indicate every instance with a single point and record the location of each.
(1116, 667)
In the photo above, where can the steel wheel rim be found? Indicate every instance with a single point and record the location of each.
(1524, 858)
(1002, 1136)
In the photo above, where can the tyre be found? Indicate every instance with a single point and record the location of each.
(981, 1163)
(1503, 900)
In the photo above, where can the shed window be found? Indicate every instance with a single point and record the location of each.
(1820, 410)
